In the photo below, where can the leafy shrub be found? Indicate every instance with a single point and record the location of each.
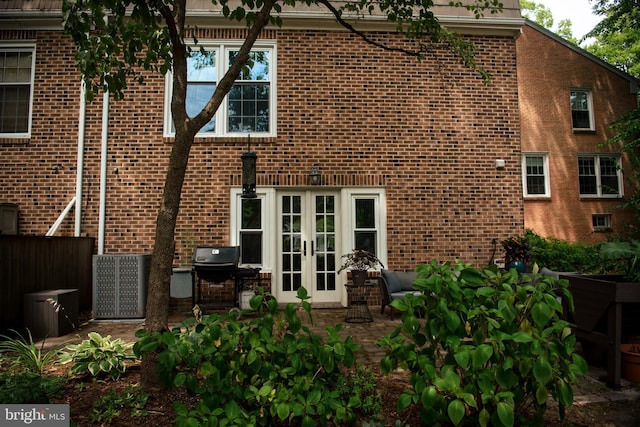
(28, 387)
(483, 346)
(27, 354)
(559, 255)
(362, 384)
(263, 371)
(111, 405)
(98, 355)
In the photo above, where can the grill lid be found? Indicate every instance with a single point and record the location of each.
(220, 256)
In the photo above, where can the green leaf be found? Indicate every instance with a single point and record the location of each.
(462, 358)
(456, 411)
(283, 411)
(541, 394)
(522, 337)
(403, 402)
(541, 314)
(542, 371)
(505, 414)
(429, 396)
(565, 393)
(481, 355)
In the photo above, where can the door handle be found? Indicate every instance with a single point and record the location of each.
(312, 248)
(304, 248)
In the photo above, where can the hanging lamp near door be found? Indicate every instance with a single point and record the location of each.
(249, 172)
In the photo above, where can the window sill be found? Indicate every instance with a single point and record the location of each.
(584, 131)
(538, 198)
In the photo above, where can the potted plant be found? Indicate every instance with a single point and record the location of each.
(600, 299)
(181, 283)
(359, 262)
(516, 253)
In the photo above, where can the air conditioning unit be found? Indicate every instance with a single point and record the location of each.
(120, 285)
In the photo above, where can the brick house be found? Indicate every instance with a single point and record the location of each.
(407, 151)
(568, 98)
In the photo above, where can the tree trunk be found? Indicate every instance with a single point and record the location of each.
(157, 309)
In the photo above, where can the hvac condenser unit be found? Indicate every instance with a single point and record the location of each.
(120, 285)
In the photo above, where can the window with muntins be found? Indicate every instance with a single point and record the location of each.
(581, 109)
(535, 175)
(601, 222)
(250, 104)
(365, 233)
(251, 231)
(599, 175)
(16, 90)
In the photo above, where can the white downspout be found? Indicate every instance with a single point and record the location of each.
(80, 162)
(103, 171)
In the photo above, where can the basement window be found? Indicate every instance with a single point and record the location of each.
(601, 222)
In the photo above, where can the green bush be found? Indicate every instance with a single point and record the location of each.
(559, 255)
(362, 384)
(267, 370)
(28, 387)
(27, 355)
(484, 347)
(98, 355)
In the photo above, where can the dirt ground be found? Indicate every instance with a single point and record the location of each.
(596, 404)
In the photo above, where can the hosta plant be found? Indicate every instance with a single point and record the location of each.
(484, 346)
(98, 356)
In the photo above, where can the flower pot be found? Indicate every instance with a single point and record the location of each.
(358, 277)
(631, 362)
(518, 265)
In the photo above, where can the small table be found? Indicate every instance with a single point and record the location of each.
(358, 309)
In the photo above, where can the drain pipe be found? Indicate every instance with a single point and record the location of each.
(103, 171)
(82, 119)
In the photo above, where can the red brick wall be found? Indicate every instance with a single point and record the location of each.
(428, 131)
(547, 70)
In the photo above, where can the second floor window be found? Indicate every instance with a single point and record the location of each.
(250, 104)
(581, 109)
(599, 175)
(535, 175)
(16, 90)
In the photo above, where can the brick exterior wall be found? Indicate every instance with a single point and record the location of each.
(427, 131)
(547, 70)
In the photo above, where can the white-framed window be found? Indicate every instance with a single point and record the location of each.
(535, 175)
(581, 109)
(365, 227)
(251, 230)
(250, 105)
(599, 175)
(17, 66)
(601, 221)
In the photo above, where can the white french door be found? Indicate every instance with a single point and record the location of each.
(307, 245)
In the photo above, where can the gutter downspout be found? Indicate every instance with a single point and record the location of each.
(82, 119)
(103, 171)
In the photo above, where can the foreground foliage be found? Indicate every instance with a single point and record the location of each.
(27, 355)
(265, 370)
(485, 347)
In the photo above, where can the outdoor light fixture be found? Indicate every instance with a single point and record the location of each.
(249, 172)
(314, 176)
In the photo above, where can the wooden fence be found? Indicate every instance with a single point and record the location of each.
(33, 264)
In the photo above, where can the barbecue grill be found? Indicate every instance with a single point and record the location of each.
(218, 265)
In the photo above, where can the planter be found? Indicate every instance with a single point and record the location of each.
(518, 265)
(245, 298)
(606, 309)
(358, 277)
(630, 354)
(181, 284)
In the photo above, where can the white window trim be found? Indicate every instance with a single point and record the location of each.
(589, 93)
(599, 178)
(607, 217)
(547, 186)
(348, 221)
(5, 47)
(269, 199)
(223, 47)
